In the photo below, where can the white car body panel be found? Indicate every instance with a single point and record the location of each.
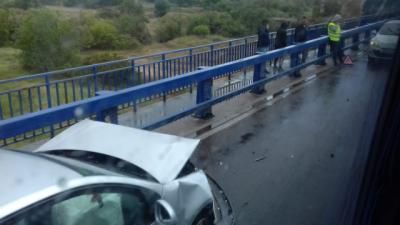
(162, 156)
(188, 196)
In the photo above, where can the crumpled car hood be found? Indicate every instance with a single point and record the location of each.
(162, 156)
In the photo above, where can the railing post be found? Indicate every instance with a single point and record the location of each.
(49, 101)
(133, 82)
(95, 78)
(191, 59)
(204, 93)
(246, 52)
(245, 55)
(295, 61)
(230, 52)
(211, 59)
(356, 39)
(133, 71)
(191, 67)
(321, 53)
(230, 57)
(259, 74)
(112, 113)
(367, 35)
(164, 70)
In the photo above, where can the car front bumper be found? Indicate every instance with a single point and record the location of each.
(379, 53)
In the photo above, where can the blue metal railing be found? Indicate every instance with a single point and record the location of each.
(47, 121)
(28, 94)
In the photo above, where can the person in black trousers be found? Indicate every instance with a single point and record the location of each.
(301, 36)
(263, 39)
(280, 42)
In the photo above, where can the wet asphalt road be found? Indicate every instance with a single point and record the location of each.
(291, 163)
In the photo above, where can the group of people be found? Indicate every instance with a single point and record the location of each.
(300, 36)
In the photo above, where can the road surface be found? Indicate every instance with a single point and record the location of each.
(291, 163)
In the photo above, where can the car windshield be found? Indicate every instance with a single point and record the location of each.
(390, 29)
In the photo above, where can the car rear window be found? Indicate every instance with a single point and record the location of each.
(390, 29)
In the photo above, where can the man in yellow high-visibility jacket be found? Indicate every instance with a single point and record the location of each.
(334, 34)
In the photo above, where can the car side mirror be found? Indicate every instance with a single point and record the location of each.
(164, 213)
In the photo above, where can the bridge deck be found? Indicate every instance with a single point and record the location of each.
(291, 162)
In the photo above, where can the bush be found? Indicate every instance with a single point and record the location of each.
(161, 8)
(135, 26)
(201, 30)
(126, 42)
(46, 42)
(101, 35)
(195, 21)
(218, 23)
(168, 29)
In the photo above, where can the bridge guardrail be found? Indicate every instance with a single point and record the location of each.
(47, 121)
(34, 93)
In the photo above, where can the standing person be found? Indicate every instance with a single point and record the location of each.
(263, 39)
(334, 34)
(280, 42)
(300, 36)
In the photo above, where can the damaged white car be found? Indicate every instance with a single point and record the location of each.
(102, 174)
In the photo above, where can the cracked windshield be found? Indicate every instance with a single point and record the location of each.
(188, 112)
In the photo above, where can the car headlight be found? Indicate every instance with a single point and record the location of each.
(374, 43)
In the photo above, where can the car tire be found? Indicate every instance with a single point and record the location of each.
(206, 216)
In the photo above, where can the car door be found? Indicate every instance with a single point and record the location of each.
(104, 205)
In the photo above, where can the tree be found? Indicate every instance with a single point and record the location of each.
(47, 42)
(161, 8)
(4, 27)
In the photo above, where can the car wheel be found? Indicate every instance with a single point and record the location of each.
(206, 217)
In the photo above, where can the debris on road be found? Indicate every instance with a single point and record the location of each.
(261, 159)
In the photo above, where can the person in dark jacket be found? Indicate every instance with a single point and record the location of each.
(263, 43)
(263, 37)
(300, 36)
(280, 42)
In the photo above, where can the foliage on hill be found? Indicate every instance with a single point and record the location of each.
(47, 42)
(83, 25)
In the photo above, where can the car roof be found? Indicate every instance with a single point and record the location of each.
(25, 173)
(394, 21)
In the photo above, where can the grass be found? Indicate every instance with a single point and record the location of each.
(181, 42)
(10, 65)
